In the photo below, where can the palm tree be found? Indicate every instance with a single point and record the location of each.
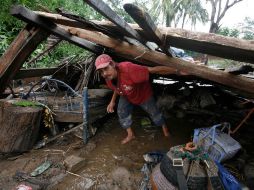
(172, 11)
(193, 10)
(165, 8)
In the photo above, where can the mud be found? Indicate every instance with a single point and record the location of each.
(108, 164)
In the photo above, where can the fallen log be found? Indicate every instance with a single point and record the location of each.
(155, 58)
(207, 43)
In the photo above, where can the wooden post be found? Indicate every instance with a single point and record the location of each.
(20, 49)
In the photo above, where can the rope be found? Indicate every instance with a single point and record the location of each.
(140, 55)
(197, 154)
(243, 121)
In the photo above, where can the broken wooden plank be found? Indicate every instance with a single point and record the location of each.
(31, 17)
(68, 116)
(106, 11)
(35, 72)
(76, 116)
(20, 49)
(128, 51)
(88, 23)
(144, 20)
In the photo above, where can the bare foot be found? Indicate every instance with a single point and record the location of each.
(127, 139)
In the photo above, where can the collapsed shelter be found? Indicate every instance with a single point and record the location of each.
(142, 43)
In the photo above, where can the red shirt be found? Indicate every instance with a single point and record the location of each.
(132, 82)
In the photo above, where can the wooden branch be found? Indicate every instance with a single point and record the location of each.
(31, 17)
(146, 23)
(128, 51)
(20, 49)
(106, 11)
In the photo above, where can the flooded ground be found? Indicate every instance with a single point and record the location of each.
(107, 165)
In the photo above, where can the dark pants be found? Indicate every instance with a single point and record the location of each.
(125, 108)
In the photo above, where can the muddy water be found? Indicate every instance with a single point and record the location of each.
(105, 156)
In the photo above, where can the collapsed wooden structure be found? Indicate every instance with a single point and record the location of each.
(125, 41)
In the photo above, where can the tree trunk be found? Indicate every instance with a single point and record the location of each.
(19, 127)
(214, 28)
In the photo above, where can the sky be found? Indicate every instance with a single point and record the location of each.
(234, 15)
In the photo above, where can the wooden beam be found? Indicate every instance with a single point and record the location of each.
(124, 27)
(62, 20)
(207, 43)
(20, 49)
(144, 20)
(128, 51)
(87, 23)
(35, 72)
(31, 17)
(212, 44)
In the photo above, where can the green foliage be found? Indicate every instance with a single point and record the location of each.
(174, 11)
(245, 30)
(26, 103)
(62, 50)
(77, 7)
(6, 37)
(117, 6)
(225, 31)
(10, 26)
(248, 35)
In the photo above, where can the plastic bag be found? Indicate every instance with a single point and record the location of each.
(228, 180)
(219, 145)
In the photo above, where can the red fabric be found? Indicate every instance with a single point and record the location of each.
(132, 82)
